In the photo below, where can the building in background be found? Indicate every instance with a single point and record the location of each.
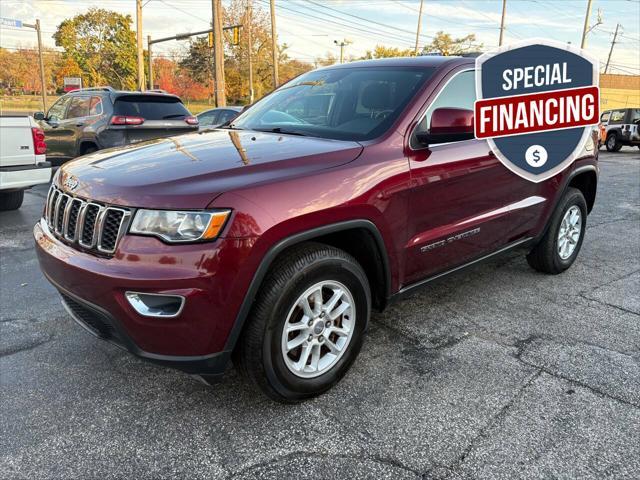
(619, 91)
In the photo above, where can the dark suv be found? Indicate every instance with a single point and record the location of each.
(91, 119)
(270, 241)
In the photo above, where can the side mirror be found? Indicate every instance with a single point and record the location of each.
(39, 116)
(448, 125)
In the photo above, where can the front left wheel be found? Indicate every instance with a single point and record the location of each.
(307, 324)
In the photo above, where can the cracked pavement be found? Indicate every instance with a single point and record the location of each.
(495, 372)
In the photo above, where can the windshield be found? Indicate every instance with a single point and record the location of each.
(343, 103)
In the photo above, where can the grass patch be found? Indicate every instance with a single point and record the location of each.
(33, 103)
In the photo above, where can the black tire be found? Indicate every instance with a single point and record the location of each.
(259, 355)
(545, 257)
(612, 143)
(11, 200)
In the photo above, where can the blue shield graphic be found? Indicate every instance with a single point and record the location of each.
(559, 147)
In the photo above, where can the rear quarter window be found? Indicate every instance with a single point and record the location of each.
(150, 107)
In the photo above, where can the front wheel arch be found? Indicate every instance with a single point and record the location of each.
(320, 235)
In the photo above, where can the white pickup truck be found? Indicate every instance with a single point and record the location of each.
(22, 159)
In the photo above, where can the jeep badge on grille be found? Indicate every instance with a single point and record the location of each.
(70, 182)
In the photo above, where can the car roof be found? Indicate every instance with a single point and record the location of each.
(119, 93)
(420, 61)
(228, 107)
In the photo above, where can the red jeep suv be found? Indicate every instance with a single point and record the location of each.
(269, 241)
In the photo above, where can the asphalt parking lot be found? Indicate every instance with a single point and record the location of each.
(497, 372)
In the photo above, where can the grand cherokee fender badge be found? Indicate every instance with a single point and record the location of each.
(70, 182)
(537, 102)
(451, 239)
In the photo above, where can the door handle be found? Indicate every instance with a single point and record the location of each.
(81, 124)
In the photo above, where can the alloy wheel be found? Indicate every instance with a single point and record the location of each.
(318, 329)
(569, 233)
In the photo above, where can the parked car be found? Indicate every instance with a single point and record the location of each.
(91, 119)
(621, 128)
(217, 116)
(22, 159)
(270, 241)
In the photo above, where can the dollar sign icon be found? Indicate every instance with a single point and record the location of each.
(536, 156)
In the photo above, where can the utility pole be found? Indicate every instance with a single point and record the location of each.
(342, 44)
(415, 50)
(139, 45)
(150, 61)
(218, 53)
(43, 82)
(585, 28)
(504, 13)
(249, 48)
(274, 43)
(613, 42)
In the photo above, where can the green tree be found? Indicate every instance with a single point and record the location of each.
(445, 44)
(380, 51)
(197, 60)
(103, 45)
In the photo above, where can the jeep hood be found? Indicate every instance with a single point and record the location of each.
(189, 171)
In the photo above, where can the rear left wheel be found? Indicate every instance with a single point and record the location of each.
(559, 247)
(11, 200)
(307, 325)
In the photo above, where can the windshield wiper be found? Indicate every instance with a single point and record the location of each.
(280, 130)
(175, 115)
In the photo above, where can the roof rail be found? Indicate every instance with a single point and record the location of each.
(94, 89)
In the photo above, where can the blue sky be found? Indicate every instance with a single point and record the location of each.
(310, 27)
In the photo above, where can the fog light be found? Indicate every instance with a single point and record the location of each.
(156, 305)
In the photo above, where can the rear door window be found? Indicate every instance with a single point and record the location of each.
(207, 118)
(617, 116)
(151, 107)
(95, 108)
(79, 107)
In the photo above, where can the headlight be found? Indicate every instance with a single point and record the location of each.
(179, 226)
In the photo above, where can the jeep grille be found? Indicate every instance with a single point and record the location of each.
(90, 225)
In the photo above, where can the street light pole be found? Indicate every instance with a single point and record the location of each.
(342, 44)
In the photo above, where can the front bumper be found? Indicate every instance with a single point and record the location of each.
(209, 275)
